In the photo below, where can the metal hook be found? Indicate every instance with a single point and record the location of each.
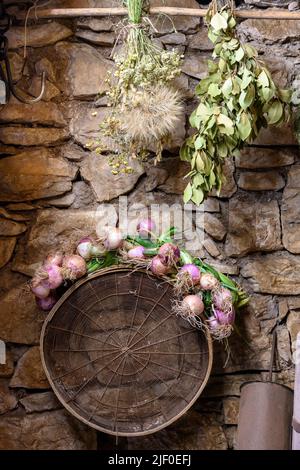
(10, 86)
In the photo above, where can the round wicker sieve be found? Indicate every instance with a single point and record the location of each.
(117, 357)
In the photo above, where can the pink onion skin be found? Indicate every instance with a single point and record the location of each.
(170, 253)
(213, 323)
(193, 271)
(54, 276)
(136, 253)
(84, 247)
(47, 303)
(225, 318)
(74, 267)
(194, 303)
(40, 288)
(222, 299)
(208, 282)
(145, 226)
(158, 267)
(114, 239)
(54, 258)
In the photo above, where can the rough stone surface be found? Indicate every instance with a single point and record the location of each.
(99, 39)
(273, 274)
(10, 228)
(105, 185)
(229, 186)
(252, 226)
(214, 227)
(200, 41)
(20, 319)
(254, 157)
(8, 400)
(7, 246)
(261, 181)
(270, 31)
(47, 114)
(79, 60)
(55, 430)
(37, 35)
(290, 211)
(40, 402)
(29, 372)
(22, 180)
(193, 432)
(231, 410)
(195, 65)
(283, 135)
(28, 136)
(7, 369)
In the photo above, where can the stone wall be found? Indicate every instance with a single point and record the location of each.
(50, 181)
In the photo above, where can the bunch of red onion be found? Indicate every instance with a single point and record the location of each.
(87, 248)
(188, 277)
(55, 270)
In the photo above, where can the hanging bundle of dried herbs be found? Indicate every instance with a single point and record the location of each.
(145, 106)
(237, 99)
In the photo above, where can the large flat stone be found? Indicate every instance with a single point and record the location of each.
(20, 319)
(10, 228)
(270, 31)
(277, 135)
(200, 41)
(29, 372)
(276, 273)
(261, 181)
(37, 35)
(105, 185)
(255, 157)
(7, 246)
(67, 228)
(290, 211)
(84, 126)
(8, 400)
(194, 431)
(195, 65)
(40, 402)
(80, 70)
(30, 136)
(48, 114)
(252, 226)
(56, 430)
(35, 174)
(99, 39)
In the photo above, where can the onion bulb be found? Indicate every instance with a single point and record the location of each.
(170, 253)
(54, 258)
(222, 299)
(74, 267)
(225, 318)
(208, 282)
(145, 227)
(193, 304)
(136, 253)
(114, 239)
(53, 275)
(192, 271)
(158, 267)
(47, 303)
(40, 288)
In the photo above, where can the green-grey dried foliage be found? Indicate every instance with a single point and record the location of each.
(236, 99)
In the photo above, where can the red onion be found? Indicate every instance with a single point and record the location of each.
(136, 252)
(208, 282)
(225, 318)
(193, 271)
(213, 323)
(84, 247)
(158, 267)
(222, 299)
(47, 303)
(54, 275)
(54, 258)
(40, 288)
(114, 239)
(145, 227)
(74, 267)
(194, 304)
(170, 253)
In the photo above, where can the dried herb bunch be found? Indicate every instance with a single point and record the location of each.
(145, 104)
(237, 99)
